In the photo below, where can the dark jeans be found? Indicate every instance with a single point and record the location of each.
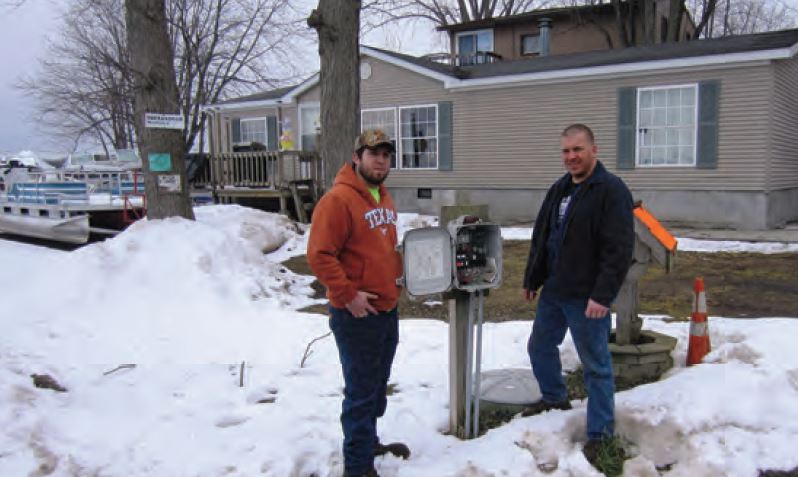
(591, 337)
(366, 347)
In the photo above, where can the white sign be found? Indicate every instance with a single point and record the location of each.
(163, 121)
(169, 182)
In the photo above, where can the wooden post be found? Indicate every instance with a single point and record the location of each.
(628, 324)
(458, 326)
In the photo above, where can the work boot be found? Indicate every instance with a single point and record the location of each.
(370, 473)
(398, 449)
(543, 406)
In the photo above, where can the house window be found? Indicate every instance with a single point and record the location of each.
(418, 145)
(530, 44)
(666, 126)
(473, 42)
(253, 130)
(383, 118)
(309, 126)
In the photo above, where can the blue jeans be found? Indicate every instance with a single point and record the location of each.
(591, 337)
(366, 347)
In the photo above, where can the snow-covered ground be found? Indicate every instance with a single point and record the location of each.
(192, 304)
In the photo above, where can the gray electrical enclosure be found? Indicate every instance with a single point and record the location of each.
(466, 255)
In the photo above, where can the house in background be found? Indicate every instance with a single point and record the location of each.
(555, 31)
(702, 131)
(270, 120)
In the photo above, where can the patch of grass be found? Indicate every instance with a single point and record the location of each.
(491, 418)
(575, 382)
(779, 473)
(609, 457)
(731, 280)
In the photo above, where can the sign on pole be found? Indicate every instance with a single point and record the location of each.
(169, 183)
(163, 121)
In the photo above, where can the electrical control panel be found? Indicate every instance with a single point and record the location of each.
(466, 255)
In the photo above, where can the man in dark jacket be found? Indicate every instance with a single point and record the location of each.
(581, 250)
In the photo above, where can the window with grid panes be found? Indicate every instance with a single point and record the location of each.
(253, 130)
(666, 126)
(418, 127)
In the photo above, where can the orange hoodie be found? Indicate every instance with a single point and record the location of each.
(352, 244)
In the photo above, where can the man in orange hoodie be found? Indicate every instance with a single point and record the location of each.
(352, 251)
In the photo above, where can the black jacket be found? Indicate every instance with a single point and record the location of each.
(598, 241)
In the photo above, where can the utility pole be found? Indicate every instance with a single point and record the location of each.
(156, 110)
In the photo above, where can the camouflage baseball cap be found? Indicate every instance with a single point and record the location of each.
(372, 139)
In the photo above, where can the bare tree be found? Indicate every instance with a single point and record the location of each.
(337, 23)
(737, 17)
(221, 48)
(444, 12)
(703, 11)
(752, 16)
(82, 90)
(231, 47)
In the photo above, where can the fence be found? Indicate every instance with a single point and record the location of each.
(261, 169)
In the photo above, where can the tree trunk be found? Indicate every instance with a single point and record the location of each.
(155, 91)
(337, 23)
(676, 7)
(620, 23)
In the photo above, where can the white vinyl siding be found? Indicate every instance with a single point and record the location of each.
(666, 126)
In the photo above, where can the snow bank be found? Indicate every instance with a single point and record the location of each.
(192, 304)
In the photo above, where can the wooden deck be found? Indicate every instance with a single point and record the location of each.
(295, 176)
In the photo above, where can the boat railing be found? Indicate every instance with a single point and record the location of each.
(54, 187)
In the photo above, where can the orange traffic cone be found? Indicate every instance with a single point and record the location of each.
(699, 327)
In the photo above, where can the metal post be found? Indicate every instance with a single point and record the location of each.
(469, 376)
(478, 367)
(458, 304)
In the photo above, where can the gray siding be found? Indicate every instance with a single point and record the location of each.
(390, 85)
(313, 95)
(509, 137)
(784, 145)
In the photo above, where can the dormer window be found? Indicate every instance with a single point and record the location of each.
(470, 44)
(530, 44)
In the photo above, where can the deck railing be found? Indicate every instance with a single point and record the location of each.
(464, 59)
(264, 169)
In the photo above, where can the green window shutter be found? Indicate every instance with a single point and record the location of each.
(271, 133)
(627, 127)
(708, 109)
(445, 136)
(235, 133)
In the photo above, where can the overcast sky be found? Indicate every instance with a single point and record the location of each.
(22, 41)
(23, 34)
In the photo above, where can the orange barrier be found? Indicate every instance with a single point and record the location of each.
(699, 344)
